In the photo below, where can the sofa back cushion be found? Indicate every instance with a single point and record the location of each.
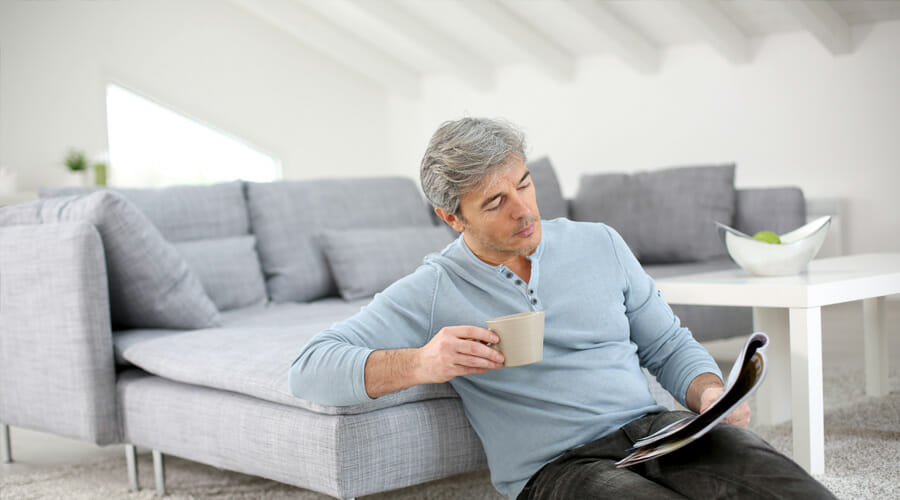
(665, 215)
(228, 268)
(777, 209)
(365, 261)
(183, 213)
(150, 284)
(549, 196)
(288, 218)
(211, 221)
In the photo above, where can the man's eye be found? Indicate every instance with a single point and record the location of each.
(525, 186)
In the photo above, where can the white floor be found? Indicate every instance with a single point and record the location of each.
(842, 346)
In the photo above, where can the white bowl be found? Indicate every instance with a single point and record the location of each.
(797, 248)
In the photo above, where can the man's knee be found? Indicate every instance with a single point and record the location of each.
(737, 462)
(593, 478)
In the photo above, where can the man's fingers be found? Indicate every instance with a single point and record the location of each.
(740, 416)
(479, 334)
(469, 361)
(479, 350)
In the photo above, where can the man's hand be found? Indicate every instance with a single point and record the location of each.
(739, 417)
(703, 392)
(454, 351)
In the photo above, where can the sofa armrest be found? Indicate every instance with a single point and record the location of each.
(780, 209)
(57, 369)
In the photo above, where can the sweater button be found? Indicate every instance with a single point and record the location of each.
(509, 274)
(531, 291)
(534, 301)
(519, 282)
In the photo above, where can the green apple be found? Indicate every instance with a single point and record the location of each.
(767, 237)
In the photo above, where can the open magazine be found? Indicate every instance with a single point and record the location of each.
(745, 377)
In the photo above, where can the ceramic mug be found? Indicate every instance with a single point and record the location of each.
(521, 337)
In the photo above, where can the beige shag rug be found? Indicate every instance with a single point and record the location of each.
(862, 460)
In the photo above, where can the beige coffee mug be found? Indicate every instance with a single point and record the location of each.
(521, 337)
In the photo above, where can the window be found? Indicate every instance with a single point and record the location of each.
(152, 146)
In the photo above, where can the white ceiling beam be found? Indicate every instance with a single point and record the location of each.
(824, 23)
(623, 40)
(467, 65)
(335, 43)
(724, 36)
(555, 61)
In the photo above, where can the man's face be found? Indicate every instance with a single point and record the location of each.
(500, 217)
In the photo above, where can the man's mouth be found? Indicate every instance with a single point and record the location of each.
(526, 231)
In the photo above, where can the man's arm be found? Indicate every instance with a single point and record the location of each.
(703, 392)
(454, 351)
(664, 347)
(386, 347)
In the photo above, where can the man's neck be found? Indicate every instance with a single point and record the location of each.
(516, 262)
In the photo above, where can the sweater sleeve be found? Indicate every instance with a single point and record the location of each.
(665, 348)
(331, 367)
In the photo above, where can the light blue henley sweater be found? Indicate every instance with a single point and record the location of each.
(604, 319)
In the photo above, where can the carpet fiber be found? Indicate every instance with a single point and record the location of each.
(862, 453)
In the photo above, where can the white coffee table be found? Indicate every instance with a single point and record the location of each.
(788, 309)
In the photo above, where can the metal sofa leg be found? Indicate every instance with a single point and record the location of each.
(159, 473)
(131, 460)
(5, 445)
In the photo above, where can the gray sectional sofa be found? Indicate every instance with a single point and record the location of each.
(167, 318)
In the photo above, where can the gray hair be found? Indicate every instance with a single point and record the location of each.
(461, 153)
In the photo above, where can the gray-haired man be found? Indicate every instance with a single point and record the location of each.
(553, 429)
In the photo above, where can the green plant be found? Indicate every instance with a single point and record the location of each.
(76, 161)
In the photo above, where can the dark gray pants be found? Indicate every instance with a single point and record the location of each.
(728, 462)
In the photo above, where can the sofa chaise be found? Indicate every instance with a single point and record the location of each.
(168, 318)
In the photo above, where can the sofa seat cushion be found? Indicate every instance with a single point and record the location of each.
(252, 353)
(343, 456)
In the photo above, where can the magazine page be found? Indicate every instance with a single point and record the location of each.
(746, 375)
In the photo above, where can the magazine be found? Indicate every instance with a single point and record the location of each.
(745, 377)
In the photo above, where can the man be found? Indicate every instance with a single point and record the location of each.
(553, 429)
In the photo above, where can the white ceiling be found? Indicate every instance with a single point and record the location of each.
(396, 42)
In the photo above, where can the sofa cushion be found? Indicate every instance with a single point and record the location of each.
(287, 217)
(780, 210)
(549, 195)
(666, 215)
(252, 354)
(150, 284)
(365, 261)
(228, 268)
(184, 212)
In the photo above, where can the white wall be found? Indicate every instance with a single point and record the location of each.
(796, 115)
(205, 58)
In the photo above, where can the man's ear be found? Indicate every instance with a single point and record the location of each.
(451, 219)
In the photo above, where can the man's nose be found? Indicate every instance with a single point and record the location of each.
(519, 206)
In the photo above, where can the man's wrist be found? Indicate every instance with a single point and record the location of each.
(391, 370)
